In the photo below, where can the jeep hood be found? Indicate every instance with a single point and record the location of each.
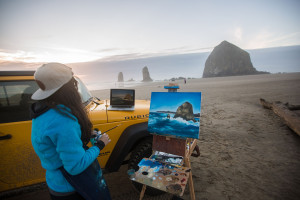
(99, 112)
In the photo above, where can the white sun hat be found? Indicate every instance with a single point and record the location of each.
(50, 78)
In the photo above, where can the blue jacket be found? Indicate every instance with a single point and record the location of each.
(56, 138)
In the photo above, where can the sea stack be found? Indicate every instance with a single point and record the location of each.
(227, 59)
(185, 111)
(120, 77)
(146, 75)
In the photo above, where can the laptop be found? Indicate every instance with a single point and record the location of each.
(122, 99)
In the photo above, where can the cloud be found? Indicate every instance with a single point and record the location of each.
(59, 54)
(11, 65)
(17, 56)
(120, 57)
(287, 39)
(107, 50)
(186, 49)
(238, 33)
(266, 39)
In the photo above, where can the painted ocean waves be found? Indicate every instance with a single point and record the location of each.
(159, 123)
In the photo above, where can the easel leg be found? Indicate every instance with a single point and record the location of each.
(191, 184)
(143, 192)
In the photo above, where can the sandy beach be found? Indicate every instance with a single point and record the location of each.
(247, 152)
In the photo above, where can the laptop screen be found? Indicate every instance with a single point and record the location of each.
(122, 97)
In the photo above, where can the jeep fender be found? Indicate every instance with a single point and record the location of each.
(130, 136)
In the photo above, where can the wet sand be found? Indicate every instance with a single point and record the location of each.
(247, 152)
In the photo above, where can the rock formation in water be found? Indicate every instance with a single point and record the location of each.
(185, 111)
(146, 75)
(120, 77)
(227, 59)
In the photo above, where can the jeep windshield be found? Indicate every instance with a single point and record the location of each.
(86, 96)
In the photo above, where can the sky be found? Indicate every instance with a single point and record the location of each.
(170, 101)
(71, 31)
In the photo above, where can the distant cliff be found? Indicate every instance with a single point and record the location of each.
(146, 75)
(227, 59)
(120, 77)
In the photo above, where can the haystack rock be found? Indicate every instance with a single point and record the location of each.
(227, 59)
(120, 77)
(185, 111)
(146, 75)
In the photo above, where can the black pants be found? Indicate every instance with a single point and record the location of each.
(74, 196)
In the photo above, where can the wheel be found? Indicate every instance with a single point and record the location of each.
(143, 150)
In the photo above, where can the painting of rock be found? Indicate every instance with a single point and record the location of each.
(185, 111)
(175, 114)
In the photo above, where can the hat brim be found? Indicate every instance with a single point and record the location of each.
(43, 94)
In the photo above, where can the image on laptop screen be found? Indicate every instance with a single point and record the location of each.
(122, 97)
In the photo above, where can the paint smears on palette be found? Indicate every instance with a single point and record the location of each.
(167, 158)
(164, 177)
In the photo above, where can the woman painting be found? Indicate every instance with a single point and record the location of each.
(61, 130)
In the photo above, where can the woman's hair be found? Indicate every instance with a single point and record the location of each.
(69, 96)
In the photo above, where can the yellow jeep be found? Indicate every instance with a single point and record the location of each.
(20, 165)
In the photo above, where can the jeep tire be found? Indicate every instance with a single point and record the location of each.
(142, 150)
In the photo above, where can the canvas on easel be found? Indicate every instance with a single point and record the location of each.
(175, 114)
(174, 121)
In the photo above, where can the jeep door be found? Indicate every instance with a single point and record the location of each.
(20, 166)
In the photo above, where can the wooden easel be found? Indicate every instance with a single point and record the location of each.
(176, 146)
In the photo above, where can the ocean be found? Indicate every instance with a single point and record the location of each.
(103, 75)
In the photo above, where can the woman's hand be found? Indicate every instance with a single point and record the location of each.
(105, 138)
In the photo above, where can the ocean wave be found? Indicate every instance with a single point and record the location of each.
(183, 121)
(159, 123)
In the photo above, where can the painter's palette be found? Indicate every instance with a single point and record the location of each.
(164, 177)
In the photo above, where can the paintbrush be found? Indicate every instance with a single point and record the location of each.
(96, 129)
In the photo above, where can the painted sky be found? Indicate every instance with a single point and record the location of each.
(170, 101)
(71, 31)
